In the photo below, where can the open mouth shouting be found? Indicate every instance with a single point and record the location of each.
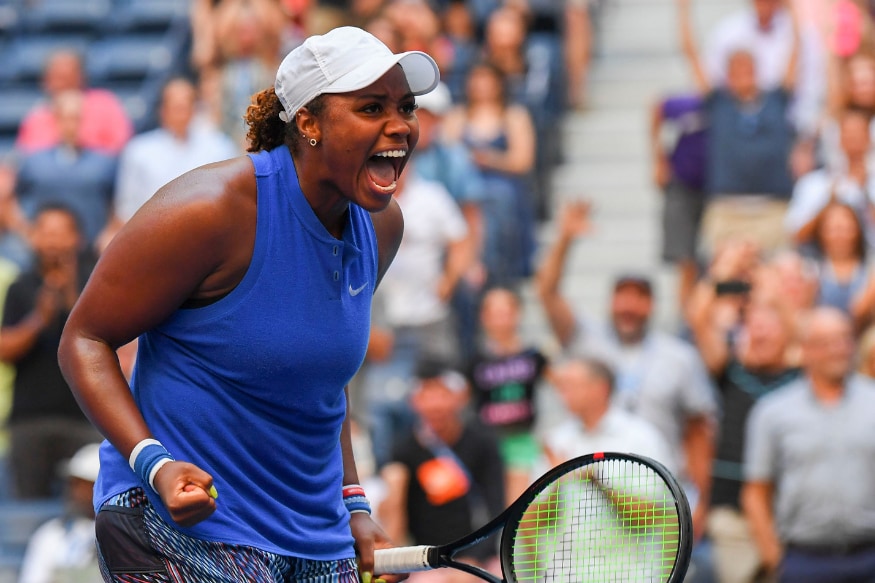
(384, 168)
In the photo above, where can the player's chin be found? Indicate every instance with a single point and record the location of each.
(372, 197)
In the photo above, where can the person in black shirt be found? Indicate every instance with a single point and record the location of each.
(446, 477)
(46, 425)
(746, 363)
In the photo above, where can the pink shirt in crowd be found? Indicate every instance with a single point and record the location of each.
(105, 125)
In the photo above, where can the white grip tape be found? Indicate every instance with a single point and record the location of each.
(402, 559)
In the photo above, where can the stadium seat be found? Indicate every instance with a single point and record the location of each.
(85, 16)
(139, 100)
(18, 520)
(128, 58)
(141, 16)
(14, 105)
(27, 54)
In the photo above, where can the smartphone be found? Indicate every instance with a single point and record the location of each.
(731, 287)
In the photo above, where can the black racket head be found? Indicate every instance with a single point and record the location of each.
(601, 518)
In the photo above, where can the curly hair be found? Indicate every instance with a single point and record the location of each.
(266, 129)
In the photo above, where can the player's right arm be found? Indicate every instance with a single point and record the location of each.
(192, 242)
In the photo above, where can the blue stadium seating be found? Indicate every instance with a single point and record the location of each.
(18, 520)
(139, 16)
(24, 58)
(85, 16)
(14, 104)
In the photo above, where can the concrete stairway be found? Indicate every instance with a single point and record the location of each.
(607, 159)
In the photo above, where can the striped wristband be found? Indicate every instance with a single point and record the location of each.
(354, 499)
(147, 458)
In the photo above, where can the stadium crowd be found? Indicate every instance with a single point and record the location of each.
(760, 399)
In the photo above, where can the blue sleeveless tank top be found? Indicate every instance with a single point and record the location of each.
(250, 388)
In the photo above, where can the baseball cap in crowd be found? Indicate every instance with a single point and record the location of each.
(438, 101)
(342, 60)
(638, 280)
(85, 463)
(434, 368)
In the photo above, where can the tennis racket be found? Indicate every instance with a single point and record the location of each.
(599, 518)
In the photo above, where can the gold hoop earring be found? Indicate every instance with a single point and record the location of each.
(313, 142)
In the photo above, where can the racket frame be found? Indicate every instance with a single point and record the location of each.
(513, 515)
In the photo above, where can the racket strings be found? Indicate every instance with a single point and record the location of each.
(609, 521)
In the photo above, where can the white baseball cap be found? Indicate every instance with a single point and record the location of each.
(342, 60)
(438, 101)
(85, 463)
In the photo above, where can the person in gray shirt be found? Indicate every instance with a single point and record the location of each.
(809, 463)
(659, 376)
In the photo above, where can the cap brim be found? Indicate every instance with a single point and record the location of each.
(420, 69)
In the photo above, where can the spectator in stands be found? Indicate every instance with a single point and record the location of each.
(596, 423)
(768, 31)
(13, 226)
(63, 549)
(153, 159)
(533, 74)
(659, 376)
(442, 478)
(415, 295)
(809, 464)
(852, 87)
(866, 353)
(105, 125)
(69, 173)
(680, 172)
(501, 138)
(852, 184)
(504, 374)
(247, 35)
(747, 356)
(451, 164)
(46, 425)
(750, 140)
(843, 275)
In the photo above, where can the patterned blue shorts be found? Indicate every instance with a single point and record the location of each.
(135, 545)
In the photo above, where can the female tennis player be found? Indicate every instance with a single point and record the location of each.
(249, 284)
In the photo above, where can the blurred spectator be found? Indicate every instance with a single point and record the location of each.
(105, 125)
(786, 58)
(866, 353)
(680, 172)
(748, 171)
(504, 375)
(64, 549)
(840, 243)
(443, 478)
(46, 425)
(747, 357)
(414, 296)
(452, 165)
(458, 25)
(659, 376)
(13, 226)
(501, 138)
(853, 184)
(596, 423)
(247, 34)
(533, 74)
(809, 464)
(853, 89)
(153, 159)
(79, 177)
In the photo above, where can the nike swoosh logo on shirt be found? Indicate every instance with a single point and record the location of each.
(357, 291)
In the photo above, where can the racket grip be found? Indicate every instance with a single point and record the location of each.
(402, 559)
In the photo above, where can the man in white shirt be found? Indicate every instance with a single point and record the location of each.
(154, 158)
(853, 185)
(412, 312)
